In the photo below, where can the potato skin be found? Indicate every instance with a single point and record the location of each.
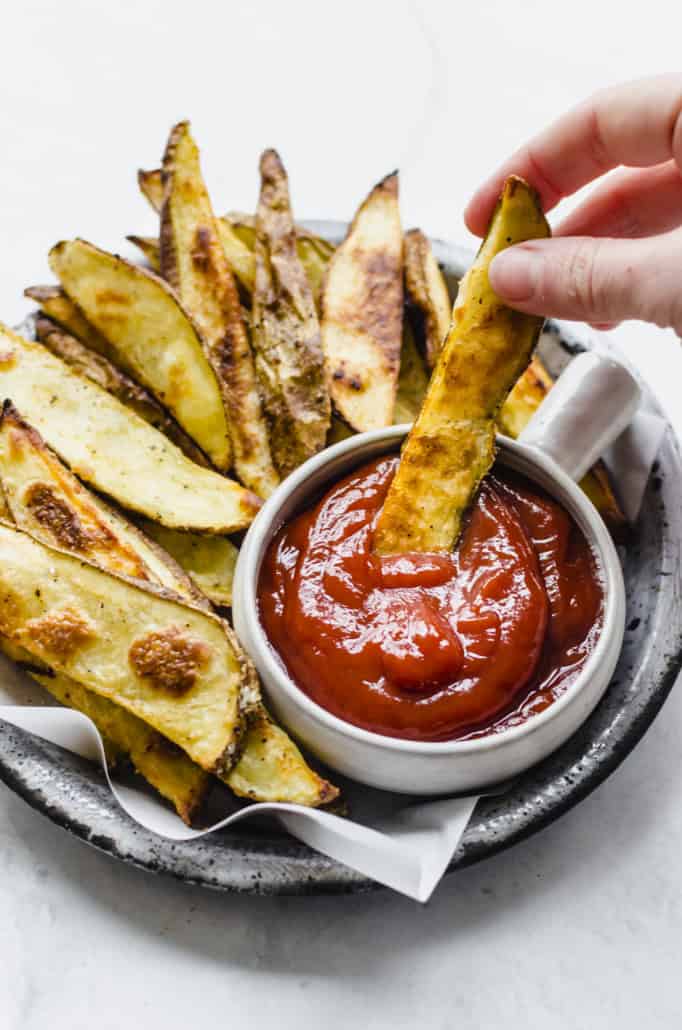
(285, 329)
(194, 263)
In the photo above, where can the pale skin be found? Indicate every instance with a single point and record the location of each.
(618, 255)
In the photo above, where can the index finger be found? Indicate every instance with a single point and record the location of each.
(637, 124)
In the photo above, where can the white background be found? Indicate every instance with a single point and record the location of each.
(578, 927)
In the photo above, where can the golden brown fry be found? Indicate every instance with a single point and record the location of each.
(428, 299)
(193, 262)
(169, 770)
(103, 372)
(149, 247)
(209, 560)
(516, 412)
(452, 443)
(151, 187)
(56, 305)
(362, 312)
(151, 332)
(109, 446)
(286, 332)
(272, 768)
(413, 380)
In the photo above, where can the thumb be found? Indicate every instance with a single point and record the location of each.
(594, 280)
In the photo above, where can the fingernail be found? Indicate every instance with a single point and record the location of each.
(514, 274)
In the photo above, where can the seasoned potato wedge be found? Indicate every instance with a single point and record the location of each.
(428, 299)
(314, 251)
(142, 319)
(413, 380)
(169, 770)
(194, 263)
(149, 248)
(57, 306)
(362, 312)
(209, 560)
(240, 258)
(171, 665)
(48, 502)
(107, 375)
(271, 768)
(109, 446)
(523, 401)
(286, 331)
(151, 187)
(452, 443)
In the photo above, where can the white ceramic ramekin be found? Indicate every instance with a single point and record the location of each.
(589, 407)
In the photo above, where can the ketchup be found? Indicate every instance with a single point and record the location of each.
(432, 646)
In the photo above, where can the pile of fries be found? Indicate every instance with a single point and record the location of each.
(163, 401)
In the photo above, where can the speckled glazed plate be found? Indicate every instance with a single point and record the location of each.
(73, 794)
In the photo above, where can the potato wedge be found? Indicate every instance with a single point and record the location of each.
(362, 312)
(171, 665)
(109, 446)
(107, 375)
(48, 502)
(314, 251)
(209, 560)
(56, 305)
(452, 443)
(151, 187)
(240, 258)
(516, 412)
(164, 765)
(149, 248)
(413, 380)
(142, 319)
(272, 768)
(286, 331)
(428, 300)
(193, 262)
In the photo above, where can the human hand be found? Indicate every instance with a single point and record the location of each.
(619, 254)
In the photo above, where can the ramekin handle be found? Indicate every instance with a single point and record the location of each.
(590, 405)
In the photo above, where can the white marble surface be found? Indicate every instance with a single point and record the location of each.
(578, 927)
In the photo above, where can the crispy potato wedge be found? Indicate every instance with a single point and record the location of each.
(314, 251)
(149, 248)
(452, 443)
(286, 331)
(142, 319)
(272, 768)
(107, 375)
(413, 380)
(362, 312)
(151, 187)
(194, 263)
(516, 412)
(171, 665)
(48, 502)
(240, 258)
(164, 765)
(428, 300)
(208, 560)
(55, 304)
(109, 446)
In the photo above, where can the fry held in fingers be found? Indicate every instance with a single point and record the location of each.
(452, 444)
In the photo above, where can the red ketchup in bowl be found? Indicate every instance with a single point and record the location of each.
(432, 646)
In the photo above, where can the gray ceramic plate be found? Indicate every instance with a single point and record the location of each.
(72, 793)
